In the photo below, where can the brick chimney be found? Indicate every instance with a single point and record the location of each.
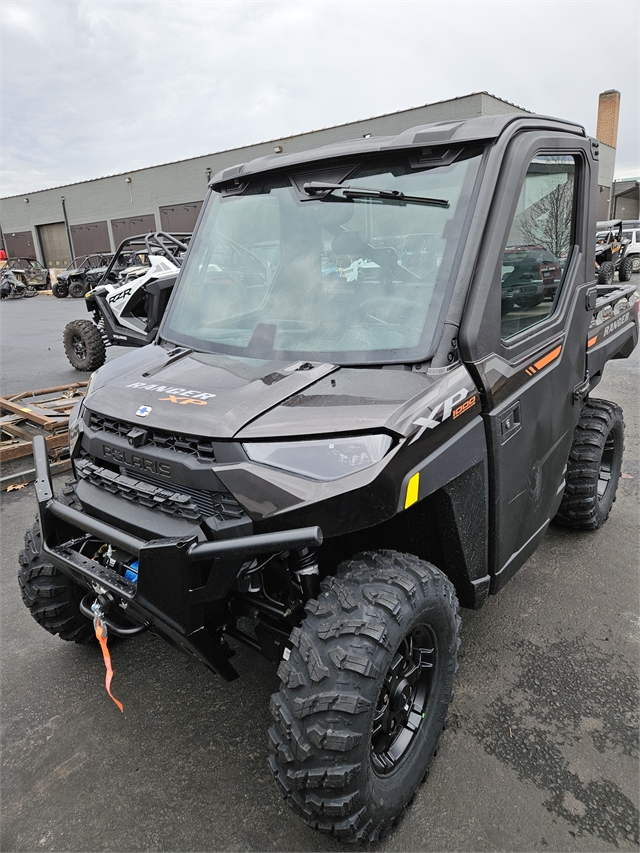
(608, 114)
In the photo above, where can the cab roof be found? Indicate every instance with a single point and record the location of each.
(466, 130)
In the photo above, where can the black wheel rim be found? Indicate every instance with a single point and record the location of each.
(606, 465)
(403, 700)
(79, 347)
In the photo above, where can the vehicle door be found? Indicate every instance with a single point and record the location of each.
(533, 375)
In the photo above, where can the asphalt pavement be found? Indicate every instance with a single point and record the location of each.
(541, 753)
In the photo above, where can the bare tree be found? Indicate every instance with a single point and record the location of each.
(547, 222)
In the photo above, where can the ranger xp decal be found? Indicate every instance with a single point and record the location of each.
(168, 389)
(605, 331)
(452, 406)
(181, 400)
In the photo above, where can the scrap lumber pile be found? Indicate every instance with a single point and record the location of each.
(29, 413)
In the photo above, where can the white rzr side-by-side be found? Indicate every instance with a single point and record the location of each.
(128, 302)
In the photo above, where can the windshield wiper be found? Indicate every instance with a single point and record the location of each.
(317, 187)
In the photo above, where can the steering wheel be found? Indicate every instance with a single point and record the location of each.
(218, 236)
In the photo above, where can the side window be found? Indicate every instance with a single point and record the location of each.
(538, 245)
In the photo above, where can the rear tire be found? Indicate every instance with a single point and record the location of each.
(364, 694)
(635, 263)
(605, 273)
(594, 465)
(625, 269)
(83, 345)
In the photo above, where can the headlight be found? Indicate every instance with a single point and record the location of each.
(321, 459)
(75, 421)
(75, 417)
(91, 384)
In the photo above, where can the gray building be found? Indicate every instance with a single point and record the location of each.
(53, 225)
(625, 203)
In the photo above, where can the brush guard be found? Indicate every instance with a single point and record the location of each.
(180, 580)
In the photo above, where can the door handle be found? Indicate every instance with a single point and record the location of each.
(510, 423)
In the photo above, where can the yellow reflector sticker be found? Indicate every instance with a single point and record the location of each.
(412, 491)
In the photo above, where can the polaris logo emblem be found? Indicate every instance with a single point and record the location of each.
(143, 411)
(135, 460)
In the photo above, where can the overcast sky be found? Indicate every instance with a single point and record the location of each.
(96, 87)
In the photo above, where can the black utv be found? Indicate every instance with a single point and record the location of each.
(337, 436)
(611, 252)
(78, 278)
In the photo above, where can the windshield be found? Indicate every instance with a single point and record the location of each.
(276, 272)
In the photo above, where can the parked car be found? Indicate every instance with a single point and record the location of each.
(80, 275)
(30, 271)
(529, 275)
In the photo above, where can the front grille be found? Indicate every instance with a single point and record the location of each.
(200, 448)
(191, 504)
(221, 504)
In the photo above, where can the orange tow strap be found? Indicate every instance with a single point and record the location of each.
(101, 634)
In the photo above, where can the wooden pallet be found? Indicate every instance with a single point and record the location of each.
(29, 413)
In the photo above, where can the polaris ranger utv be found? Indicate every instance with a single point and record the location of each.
(337, 436)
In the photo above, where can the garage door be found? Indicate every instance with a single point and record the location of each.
(90, 239)
(180, 217)
(20, 244)
(55, 245)
(123, 228)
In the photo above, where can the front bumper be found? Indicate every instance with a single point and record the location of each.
(181, 582)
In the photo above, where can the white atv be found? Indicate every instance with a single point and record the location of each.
(128, 302)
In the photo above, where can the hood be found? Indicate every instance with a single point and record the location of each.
(207, 395)
(350, 400)
(216, 396)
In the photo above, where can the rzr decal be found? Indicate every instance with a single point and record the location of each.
(119, 295)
